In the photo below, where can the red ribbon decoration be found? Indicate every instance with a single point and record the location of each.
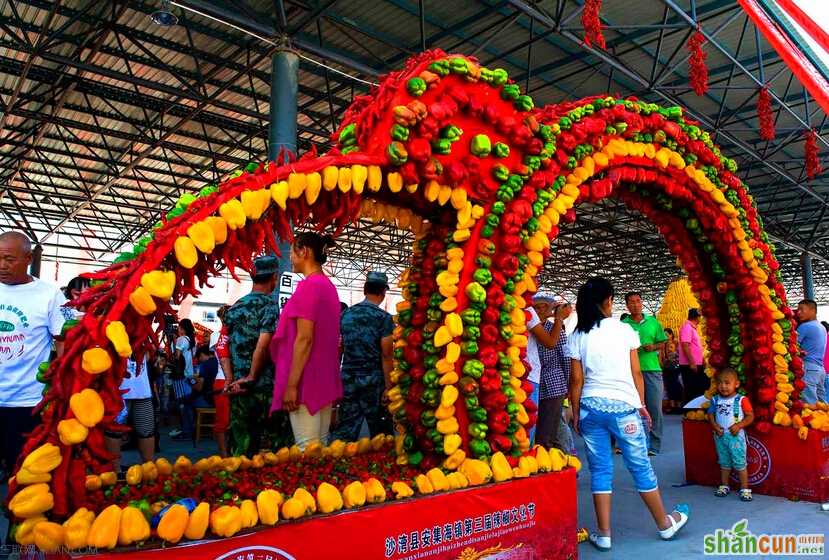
(592, 24)
(811, 154)
(697, 71)
(764, 114)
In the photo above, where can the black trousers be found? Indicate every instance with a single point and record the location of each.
(694, 381)
(16, 423)
(549, 419)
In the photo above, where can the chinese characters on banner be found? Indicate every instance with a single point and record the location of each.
(286, 287)
(453, 535)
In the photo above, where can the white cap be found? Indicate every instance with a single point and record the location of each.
(548, 297)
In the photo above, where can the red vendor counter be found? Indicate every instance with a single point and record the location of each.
(522, 519)
(779, 463)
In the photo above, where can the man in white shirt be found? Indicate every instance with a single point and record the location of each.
(31, 317)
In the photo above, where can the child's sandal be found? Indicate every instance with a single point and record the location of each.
(722, 491)
(745, 495)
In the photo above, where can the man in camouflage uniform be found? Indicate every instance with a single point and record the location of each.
(366, 332)
(250, 325)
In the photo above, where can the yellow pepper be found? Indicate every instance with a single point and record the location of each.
(423, 484)
(501, 470)
(375, 493)
(164, 467)
(134, 527)
(306, 498)
(294, 508)
(254, 204)
(134, 475)
(44, 459)
(25, 532)
(558, 460)
(395, 182)
(48, 536)
(88, 407)
(250, 515)
(95, 361)
(444, 412)
(442, 337)
(448, 426)
(573, 461)
(313, 449)
(233, 213)
(202, 236)
(226, 521)
(117, 335)
(313, 187)
(32, 500)
(455, 459)
(401, 490)
(185, 252)
(437, 479)
(149, 471)
(108, 478)
(528, 464)
(267, 506)
(197, 522)
(543, 459)
(375, 178)
(182, 464)
(377, 442)
(363, 445)
(105, 529)
(354, 494)
(449, 378)
(344, 179)
(294, 453)
(25, 476)
(76, 528)
(803, 432)
(457, 480)
(219, 227)
(159, 283)
(451, 443)
(448, 395)
(142, 301)
(173, 523)
(454, 324)
(71, 431)
(477, 472)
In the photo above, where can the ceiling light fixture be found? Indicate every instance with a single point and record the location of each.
(164, 16)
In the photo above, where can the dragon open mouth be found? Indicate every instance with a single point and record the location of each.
(454, 152)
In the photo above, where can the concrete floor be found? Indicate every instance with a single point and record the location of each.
(634, 535)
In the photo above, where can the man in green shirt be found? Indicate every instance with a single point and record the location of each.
(651, 338)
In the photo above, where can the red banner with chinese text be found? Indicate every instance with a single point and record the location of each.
(523, 519)
(778, 463)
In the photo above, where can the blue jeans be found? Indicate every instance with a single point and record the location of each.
(596, 429)
(815, 379)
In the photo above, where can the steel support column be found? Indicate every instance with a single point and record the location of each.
(282, 132)
(808, 279)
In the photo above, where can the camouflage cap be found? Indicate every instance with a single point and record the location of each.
(377, 277)
(265, 265)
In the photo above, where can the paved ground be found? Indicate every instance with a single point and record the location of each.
(634, 535)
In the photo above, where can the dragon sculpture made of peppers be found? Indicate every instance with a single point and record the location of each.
(456, 153)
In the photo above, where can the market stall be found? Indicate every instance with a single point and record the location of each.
(456, 153)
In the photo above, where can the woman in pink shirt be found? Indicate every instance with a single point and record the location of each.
(304, 347)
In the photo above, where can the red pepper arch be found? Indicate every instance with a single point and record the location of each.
(455, 152)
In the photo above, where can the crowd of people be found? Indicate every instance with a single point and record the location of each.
(319, 370)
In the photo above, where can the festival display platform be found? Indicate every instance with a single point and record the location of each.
(456, 153)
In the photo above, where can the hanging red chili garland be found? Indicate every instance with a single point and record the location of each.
(811, 154)
(764, 114)
(592, 24)
(697, 71)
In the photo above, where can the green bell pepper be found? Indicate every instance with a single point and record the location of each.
(427, 418)
(477, 430)
(473, 368)
(480, 145)
(477, 414)
(476, 292)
